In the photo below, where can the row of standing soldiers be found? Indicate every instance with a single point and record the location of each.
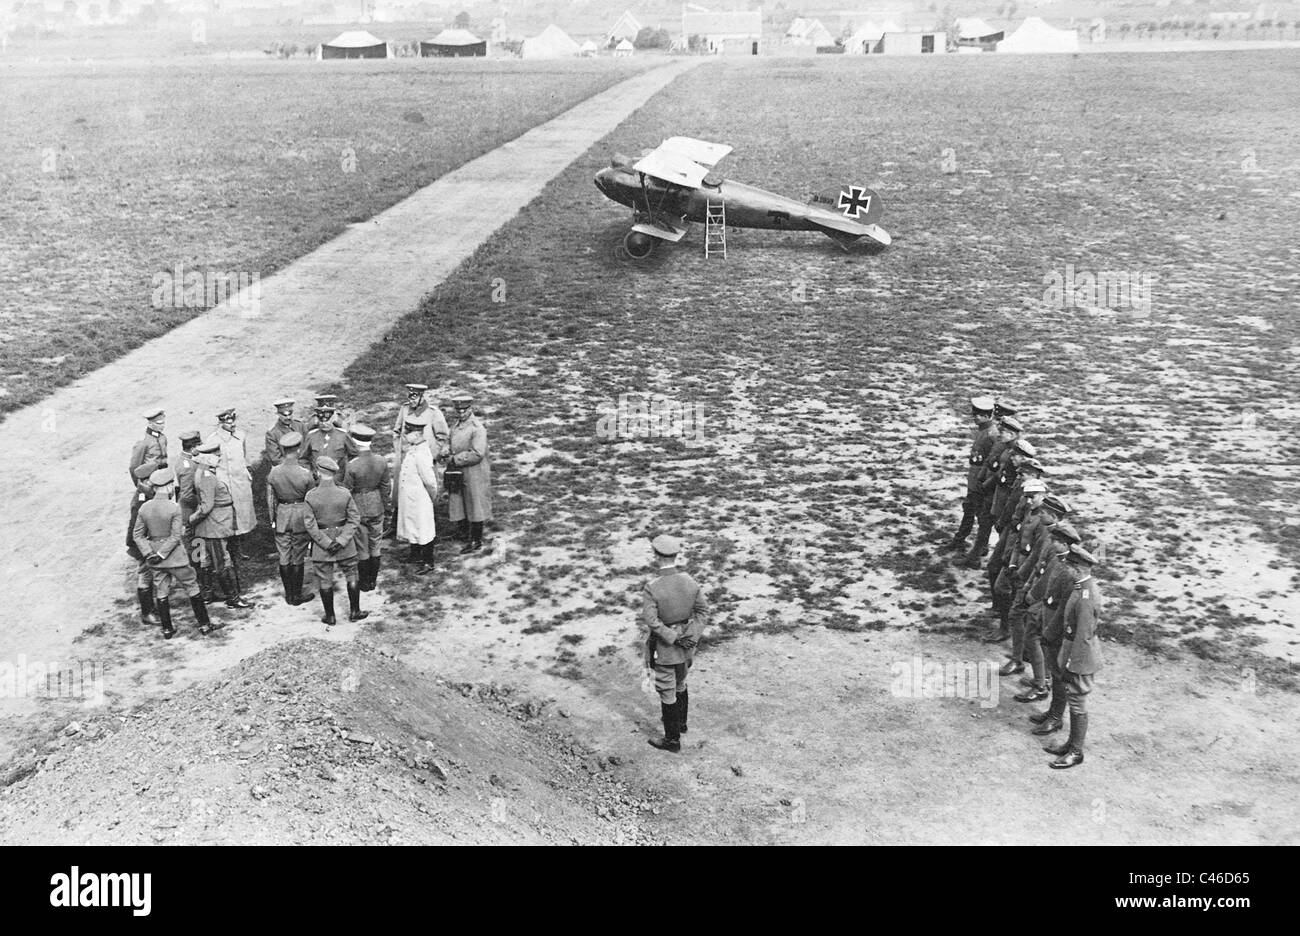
(1043, 594)
(327, 494)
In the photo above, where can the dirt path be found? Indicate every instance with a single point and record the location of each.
(62, 562)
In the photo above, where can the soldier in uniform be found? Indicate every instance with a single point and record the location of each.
(986, 433)
(674, 613)
(158, 536)
(235, 473)
(325, 412)
(187, 497)
(1041, 597)
(1030, 550)
(287, 485)
(332, 519)
(214, 522)
(283, 425)
(997, 460)
(368, 478)
(1080, 655)
(437, 432)
(1004, 563)
(472, 505)
(328, 439)
(143, 571)
(1055, 586)
(153, 447)
(417, 493)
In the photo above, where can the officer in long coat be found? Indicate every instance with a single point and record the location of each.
(287, 485)
(674, 614)
(986, 433)
(284, 424)
(1050, 592)
(1080, 655)
(213, 521)
(472, 505)
(997, 462)
(143, 571)
(157, 534)
(234, 470)
(368, 478)
(153, 447)
(417, 493)
(437, 432)
(332, 519)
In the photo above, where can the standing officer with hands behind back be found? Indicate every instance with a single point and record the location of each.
(674, 613)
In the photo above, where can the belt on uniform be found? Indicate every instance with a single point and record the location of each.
(677, 623)
(283, 503)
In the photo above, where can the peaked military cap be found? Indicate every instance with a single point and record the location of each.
(1033, 486)
(207, 448)
(160, 477)
(1067, 532)
(981, 404)
(362, 433)
(290, 440)
(143, 470)
(153, 414)
(1080, 555)
(287, 401)
(190, 435)
(417, 387)
(1005, 408)
(325, 463)
(666, 545)
(1013, 424)
(228, 411)
(1025, 447)
(1054, 502)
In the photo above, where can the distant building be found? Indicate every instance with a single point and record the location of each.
(738, 33)
(973, 32)
(917, 42)
(808, 32)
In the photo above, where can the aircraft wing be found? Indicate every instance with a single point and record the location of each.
(664, 227)
(681, 160)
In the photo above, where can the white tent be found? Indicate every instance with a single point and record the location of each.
(1034, 35)
(588, 48)
(551, 42)
(972, 27)
(355, 43)
(864, 39)
(624, 48)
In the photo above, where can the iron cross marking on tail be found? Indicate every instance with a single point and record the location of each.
(854, 201)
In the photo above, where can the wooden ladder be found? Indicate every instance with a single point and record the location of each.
(715, 229)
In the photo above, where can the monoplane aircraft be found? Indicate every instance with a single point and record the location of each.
(671, 186)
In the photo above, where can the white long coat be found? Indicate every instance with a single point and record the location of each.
(417, 491)
(233, 470)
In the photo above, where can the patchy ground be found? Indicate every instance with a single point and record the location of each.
(106, 181)
(827, 465)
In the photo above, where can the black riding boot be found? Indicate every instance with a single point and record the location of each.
(327, 602)
(354, 603)
(207, 586)
(683, 702)
(462, 530)
(201, 614)
(233, 598)
(374, 572)
(164, 606)
(148, 611)
(286, 579)
(672, 740)
(298, 572)
(475, 538)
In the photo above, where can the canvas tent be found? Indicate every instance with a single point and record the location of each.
(1035, 35)
(626, 28)
(453, 43)
(588, 48)
(355, 43)
(624, 48)
(865, 39)
(973, 31)
(551, 42)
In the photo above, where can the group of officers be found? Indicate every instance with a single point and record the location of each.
(1041, 587)
(329, 497)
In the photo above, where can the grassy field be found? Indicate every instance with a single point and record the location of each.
(112, 172)
(832, 384)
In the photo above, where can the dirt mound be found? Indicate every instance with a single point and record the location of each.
(313, 743)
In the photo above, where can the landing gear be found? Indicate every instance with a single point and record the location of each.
(639, 246)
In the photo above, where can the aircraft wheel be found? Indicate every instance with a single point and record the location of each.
(639, 246)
